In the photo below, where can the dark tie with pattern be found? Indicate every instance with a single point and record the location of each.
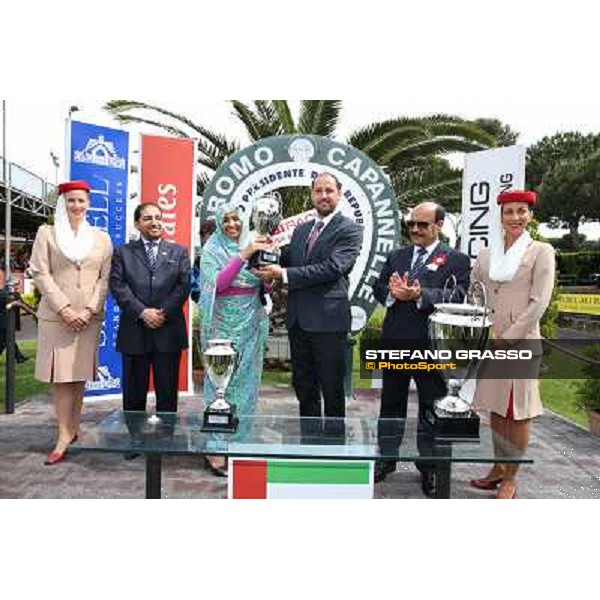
(151, 254)
(418, 264)
(314, 234)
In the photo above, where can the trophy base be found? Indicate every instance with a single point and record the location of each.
(263, 258)
(454, 427)
(221, 421)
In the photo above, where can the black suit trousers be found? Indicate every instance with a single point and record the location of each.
(394, 404)
(318, 366)
(136, 380)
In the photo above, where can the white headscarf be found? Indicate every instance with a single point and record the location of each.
(75, 246)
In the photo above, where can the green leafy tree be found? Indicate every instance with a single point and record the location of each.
(549, 320)
(570, 194)
(412, 150)
(588, 391)
(550, 150)
(503, 133)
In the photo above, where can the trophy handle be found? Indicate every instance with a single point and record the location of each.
(477, 285)
(451, 279)
(237, 354)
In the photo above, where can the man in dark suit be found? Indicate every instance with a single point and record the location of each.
(150, 281)
(411, 282)
(7, 296)
(321, 255)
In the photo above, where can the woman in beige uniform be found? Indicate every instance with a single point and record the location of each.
(70, 264)
(519, 278)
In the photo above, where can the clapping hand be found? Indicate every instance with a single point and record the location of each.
(402, 290)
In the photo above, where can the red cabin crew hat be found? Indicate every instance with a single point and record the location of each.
(517, 196)
(69, 186)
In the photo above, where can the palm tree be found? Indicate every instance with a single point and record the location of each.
(412, 150)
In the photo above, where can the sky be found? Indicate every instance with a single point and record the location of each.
(530, 65)
(36, 126)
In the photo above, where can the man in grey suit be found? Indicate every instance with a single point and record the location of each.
(150, 281)
(321, 255)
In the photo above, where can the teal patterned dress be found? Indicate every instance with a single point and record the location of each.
(241, 319)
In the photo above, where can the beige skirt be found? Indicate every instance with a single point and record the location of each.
(65, 356)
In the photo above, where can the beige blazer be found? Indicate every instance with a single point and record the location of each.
(517, 305)
(62, 282)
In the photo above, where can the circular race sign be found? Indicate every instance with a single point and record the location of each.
(295, 160)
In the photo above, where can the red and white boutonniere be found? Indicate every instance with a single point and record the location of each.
(437, 262)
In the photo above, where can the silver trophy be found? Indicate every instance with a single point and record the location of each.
(220, 359)
(265, 217)
(452, 327)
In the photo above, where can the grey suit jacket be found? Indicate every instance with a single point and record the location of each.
(318, 284)
(135, 286)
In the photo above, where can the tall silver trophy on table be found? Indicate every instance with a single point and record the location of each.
(265, 217)
(220, 359)
(458, 326)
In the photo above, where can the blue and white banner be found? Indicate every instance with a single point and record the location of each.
(100, 156)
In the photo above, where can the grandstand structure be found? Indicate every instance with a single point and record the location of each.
(32, 201)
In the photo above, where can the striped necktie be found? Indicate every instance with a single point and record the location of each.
(418, 264)
(151, 253)
(314, 234)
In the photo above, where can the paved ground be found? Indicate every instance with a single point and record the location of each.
(567, 460)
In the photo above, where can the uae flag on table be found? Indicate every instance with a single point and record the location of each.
(319, 479)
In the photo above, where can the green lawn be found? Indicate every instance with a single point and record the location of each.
(25, 384)
(277, 378)
(558, 395)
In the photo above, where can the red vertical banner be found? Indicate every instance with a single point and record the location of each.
(167, 178)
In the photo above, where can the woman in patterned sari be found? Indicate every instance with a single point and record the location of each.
(231, 308)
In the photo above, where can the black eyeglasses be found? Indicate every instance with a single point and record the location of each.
(419, 224)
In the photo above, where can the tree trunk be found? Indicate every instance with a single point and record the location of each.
(574, 233)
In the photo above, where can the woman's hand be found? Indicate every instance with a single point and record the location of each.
(86, 316)
(261, 243)
(72, 319)
(499, 342)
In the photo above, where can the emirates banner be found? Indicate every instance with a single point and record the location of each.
(486, 174)
(167, 178)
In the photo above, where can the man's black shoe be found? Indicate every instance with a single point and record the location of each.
(428, 484)
(131, 455)
(383, 468)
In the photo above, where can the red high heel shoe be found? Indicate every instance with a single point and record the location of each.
(485, 484)
(55, 457)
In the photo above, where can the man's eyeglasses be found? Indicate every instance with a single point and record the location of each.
(419, 224)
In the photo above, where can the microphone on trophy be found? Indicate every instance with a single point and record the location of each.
(264, 219)
(452, 327)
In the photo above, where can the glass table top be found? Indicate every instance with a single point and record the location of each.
(277, 436)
